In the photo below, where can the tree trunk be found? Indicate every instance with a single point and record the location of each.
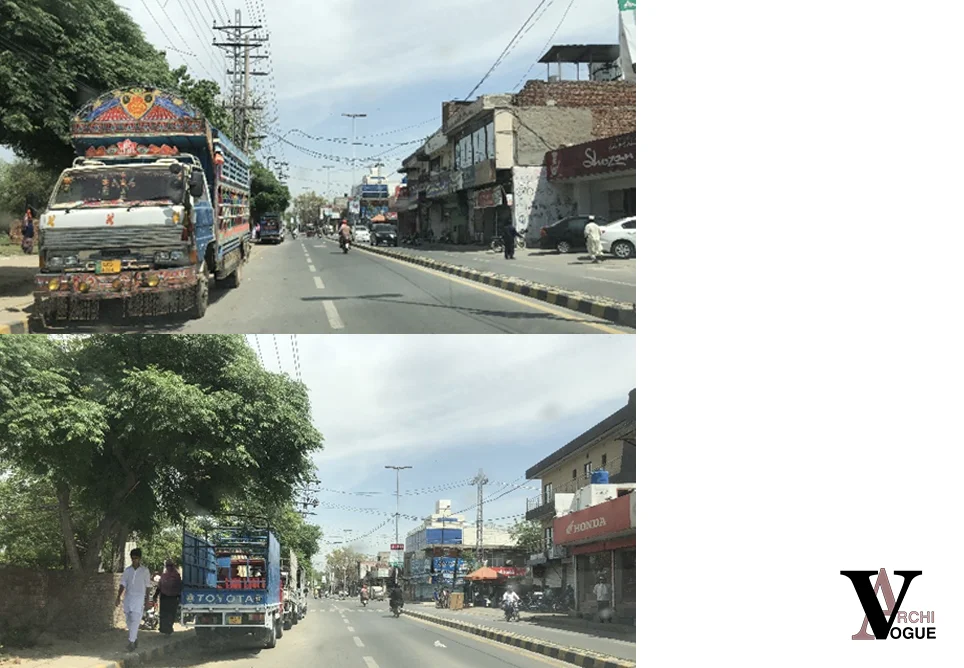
(120, 544)
(67, 527)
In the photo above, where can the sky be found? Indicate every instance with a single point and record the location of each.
(396, 62)
(446, 406)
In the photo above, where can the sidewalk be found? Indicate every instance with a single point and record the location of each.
(16, 291)
(102, 650)
(533, 626)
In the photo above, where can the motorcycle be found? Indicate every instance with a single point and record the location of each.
(396, 609)
(364, 601)
(150, 621)
(511, 611)
(345, 245)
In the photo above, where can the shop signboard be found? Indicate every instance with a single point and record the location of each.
(594, 522)
(602, 156)
(488, 198)
(397, 555)
(439, 186)
(511, 571)
(378, 191)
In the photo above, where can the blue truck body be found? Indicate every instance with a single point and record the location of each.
(232, 582)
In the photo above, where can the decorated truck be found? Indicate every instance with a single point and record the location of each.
(291, 594)
(271, 229)
(155, 204)
(232, 584)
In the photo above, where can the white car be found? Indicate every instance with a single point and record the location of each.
(362, 235)
(619, 237)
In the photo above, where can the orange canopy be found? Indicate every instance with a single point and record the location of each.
(378, 219)
(484, 573)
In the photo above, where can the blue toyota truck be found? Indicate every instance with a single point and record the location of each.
(232, 585)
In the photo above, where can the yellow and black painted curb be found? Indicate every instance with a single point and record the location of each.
(137, 658)
(617, 312)
(19, 326)
(578, 657)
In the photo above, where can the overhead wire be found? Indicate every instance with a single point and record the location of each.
(548, 42)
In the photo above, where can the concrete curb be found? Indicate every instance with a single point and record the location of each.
(137, 658)
(598, 307)
(578, 657)
(20, 325)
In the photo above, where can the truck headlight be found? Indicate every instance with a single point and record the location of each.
(55, 261)
(162, 256)
(177, 255)
(71, 260)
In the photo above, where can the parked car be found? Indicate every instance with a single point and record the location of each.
(384, 233)
(619, 238)
(361, 235)
(567, 234)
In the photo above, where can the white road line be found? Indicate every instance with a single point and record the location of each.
(370, 662)
(311, 268)
(318, 283)
(358, 641)
(609, 280)
(344, 619)
(351, 629)
(333, 318)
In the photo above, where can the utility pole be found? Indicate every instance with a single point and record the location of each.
(328, 169)
(479, 481)
(239, 44)
(353, 117)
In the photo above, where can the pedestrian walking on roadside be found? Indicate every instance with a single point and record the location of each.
(601, 590)
(134, 585)
(27, 231)
(169, 593)
(509, 234)
(593, 239)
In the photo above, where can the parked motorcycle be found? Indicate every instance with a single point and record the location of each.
(150, 621)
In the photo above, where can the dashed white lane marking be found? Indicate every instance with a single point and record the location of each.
(370, 662)
(351, 629)
(311, 268)
(358, 641)
(609, 280)
(344, 619)
(333, 318)
(318, 283)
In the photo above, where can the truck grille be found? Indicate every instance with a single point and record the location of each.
(92, 238)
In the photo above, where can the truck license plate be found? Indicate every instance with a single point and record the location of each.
(110, 266)
(234, 619)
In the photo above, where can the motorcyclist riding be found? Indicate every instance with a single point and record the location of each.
(395, 599)
(364, 595)
(344, 233)
(510, 602)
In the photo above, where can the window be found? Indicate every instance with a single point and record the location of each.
(587, 469)
(490, 140)
(629, 225)
(548, 537)
(603, 464)
(574, 474)
(547, 493)
(478, 145)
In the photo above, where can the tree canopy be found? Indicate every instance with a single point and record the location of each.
(142, 431)
(308, 206)
(23, 182)
(528, 536)
(268, 194)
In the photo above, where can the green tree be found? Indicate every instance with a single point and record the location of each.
(205, 96)
(528, 536)
(23, 182)
(307, 206)
(268, 194)
(145, 430)
(343, 565)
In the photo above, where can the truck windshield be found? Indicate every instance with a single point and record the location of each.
(115, 186)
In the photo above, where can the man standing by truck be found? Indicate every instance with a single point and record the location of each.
(133, 587)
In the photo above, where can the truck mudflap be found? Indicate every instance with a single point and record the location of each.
(78, 296)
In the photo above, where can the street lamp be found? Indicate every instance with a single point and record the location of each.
(397, 496)
(353, 117)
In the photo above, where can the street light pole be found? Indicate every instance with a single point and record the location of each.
(353, 117)
(397, 497)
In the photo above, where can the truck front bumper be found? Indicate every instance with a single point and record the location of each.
(77, 296)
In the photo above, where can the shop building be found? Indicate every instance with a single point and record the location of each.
(608, 447)
(599, 175)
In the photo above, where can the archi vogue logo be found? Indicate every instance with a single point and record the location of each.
(874, 613)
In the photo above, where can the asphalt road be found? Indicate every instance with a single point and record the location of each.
(307, 286)
(611, 277)
(344, 634)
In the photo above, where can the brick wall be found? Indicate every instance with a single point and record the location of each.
(576, 94)
(58, 601)
(613, 121)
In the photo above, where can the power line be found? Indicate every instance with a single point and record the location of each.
(505, 50)
(548, 42)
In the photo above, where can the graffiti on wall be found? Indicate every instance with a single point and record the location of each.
(536, 202)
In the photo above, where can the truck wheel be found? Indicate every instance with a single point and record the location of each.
(234, 280)
(287, 623)
(271, 638)
(200, 296)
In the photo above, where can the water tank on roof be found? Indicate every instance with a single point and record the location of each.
(599, 478)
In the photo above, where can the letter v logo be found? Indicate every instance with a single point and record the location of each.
(867, 594)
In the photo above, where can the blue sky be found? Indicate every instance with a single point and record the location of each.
(394, 61)
(445, 405)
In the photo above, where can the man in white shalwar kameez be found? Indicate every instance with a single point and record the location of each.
(134, 586)
(593, 239)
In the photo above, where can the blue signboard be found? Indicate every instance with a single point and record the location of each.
(443, 536)
(379, 191)
(223, 597)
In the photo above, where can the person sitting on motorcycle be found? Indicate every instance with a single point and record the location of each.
(395, 599)
(364, 594)
(344, 233)
(510, 598)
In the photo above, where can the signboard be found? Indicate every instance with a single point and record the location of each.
(488, 198)
(511, 571)
(382, 573)
(223, 597)
(593, 522)
(602, 156)
(397, 558)
(375, 191)
(392, 215)
(354, 207)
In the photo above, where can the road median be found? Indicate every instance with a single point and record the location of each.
(573, 655)
(618, 312)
